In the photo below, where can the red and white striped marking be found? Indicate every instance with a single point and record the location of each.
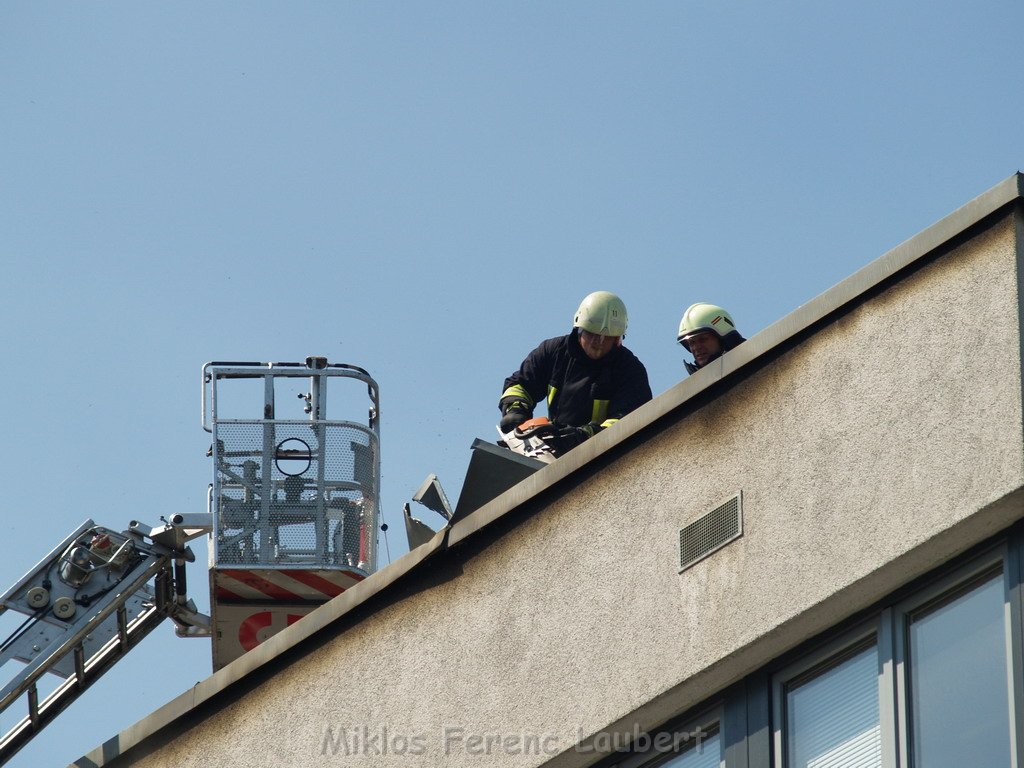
(285, 586)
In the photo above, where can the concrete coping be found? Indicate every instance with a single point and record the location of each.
(759, 347)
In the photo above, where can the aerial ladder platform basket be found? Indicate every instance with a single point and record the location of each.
(294, 501)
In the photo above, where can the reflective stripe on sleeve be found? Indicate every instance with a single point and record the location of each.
(517, 391)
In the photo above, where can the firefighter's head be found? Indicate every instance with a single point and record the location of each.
(706, 331)
(600, 323)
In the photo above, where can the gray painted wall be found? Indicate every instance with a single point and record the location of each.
(867, 454)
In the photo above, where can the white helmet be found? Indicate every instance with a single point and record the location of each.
(602, 313)
(702, 317)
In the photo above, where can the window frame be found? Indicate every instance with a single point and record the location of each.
(869, 633)
(948, 587)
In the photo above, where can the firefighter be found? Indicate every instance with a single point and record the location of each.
(587, 377)
(707, 332)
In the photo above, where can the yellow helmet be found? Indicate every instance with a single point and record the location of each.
(703, 317)
(602, 313)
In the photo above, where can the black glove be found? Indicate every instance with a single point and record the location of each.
(515, 413)
(564, 437)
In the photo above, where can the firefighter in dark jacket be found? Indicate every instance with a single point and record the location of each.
(707, 332)
(587, 377)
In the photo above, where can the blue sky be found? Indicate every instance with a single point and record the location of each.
(426, 190)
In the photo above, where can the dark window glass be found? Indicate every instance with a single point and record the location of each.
(959, 699)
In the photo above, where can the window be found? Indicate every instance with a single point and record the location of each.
(831, 713)
(959, 708)
(706, 755)
(698, 744)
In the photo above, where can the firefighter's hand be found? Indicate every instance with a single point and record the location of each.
(514, 411)
(566, 437)
(512, 419)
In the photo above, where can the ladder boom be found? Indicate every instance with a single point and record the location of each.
(88, 603)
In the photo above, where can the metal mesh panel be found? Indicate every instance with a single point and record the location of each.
(710, 532)
(295, 493)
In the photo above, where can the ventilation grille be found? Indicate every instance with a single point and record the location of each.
(711, 532)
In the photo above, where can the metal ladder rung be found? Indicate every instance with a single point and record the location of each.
(33, 705)
(80, 665)
(122, 626)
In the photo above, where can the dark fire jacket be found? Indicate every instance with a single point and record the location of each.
(579, 390)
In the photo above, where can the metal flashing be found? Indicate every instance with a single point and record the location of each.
(492, 471)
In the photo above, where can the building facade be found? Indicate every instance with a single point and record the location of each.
(806, 554)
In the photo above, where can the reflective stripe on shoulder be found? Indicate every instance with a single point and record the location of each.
(552, 391)
(600, 411)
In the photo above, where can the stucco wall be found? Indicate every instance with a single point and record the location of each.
(858, 453)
